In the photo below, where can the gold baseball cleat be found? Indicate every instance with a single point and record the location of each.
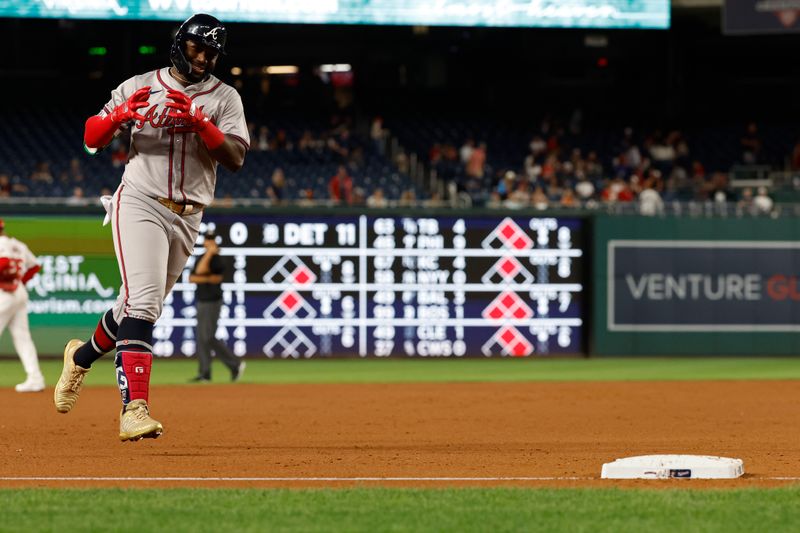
(69, 384)
(135, 422)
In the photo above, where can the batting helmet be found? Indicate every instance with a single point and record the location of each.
(203, 29)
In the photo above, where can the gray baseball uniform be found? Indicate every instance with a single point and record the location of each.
(153, 243)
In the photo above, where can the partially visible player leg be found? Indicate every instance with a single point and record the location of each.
(102, 341)
(221, 349)
(78, 359)
(134, 361)
(23, 344)
(142, 242)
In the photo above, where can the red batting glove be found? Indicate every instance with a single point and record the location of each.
(127, 110)
(100, 130)
(192, 119)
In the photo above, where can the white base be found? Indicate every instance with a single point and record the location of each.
(673, 466)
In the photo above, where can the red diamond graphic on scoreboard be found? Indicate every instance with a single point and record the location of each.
(302, 275)
(507, 230)
(509, 267)
(513, 342)
(509, 235)
(507, 270)
(289, 301)
(507, 305)
(513, 236)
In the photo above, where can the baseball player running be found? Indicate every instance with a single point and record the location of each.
(17, 266)
(183, 122)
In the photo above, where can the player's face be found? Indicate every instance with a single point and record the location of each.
(202, 58)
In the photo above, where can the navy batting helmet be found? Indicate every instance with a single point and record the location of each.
(202, 28)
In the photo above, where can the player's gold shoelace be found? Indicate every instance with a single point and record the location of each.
(141, 413)
(75, 380)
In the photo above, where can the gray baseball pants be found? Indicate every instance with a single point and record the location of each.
(152, 245)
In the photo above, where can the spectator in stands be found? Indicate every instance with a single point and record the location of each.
(407, 198)
(745, 203)
(477, 162)
(340, 186)
(42, 173)
(550, 170)
(662, 152)
(794, 164)
(77, 197)
(466, 151)
(539, 199)
(538, 148)
(762, 202)
(359, 196)
(276, 190)
(507, 185)
(5, 186)
(435, 154)
(377, 199)
(309, 142)
(617, 191)
(532, 167)
(650, 202)
(584, 188)
(401, 162)
(568, 199)
(262, 139)
(18, 188)
(594, 169)
(632, 157)
(345, 143)
(434, 201)
(521, 196)
(306, 198)
(281, 141)
(494, 201)
(720, 190)
(751, 145)
(378, 135)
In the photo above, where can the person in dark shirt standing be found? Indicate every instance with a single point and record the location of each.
(207, 274)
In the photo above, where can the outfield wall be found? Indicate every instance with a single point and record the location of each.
(434, 284)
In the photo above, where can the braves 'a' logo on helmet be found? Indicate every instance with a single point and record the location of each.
(212, 33)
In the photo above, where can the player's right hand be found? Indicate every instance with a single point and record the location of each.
(127, 110)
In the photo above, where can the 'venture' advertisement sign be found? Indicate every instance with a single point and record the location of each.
(703, 286)
(695, 286)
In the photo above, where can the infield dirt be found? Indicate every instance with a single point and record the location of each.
(544, 430)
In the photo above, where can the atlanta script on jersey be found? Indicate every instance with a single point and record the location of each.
(165, 160)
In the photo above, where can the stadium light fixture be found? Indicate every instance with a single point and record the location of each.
(281, 69)
(338, 67)
(236, 71)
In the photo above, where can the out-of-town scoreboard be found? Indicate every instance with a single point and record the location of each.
(323, 286)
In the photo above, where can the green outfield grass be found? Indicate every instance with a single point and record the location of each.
(172, 372)
(400, 510)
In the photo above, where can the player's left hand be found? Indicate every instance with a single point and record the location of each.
(183, 109)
